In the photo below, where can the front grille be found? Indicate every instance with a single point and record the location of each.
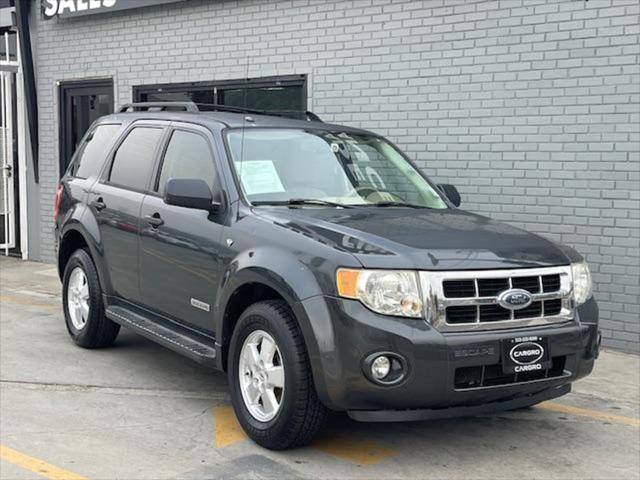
(550, 283)
(530, 284)
(552, 307)
(462, 314)
(496, 313)
(486, 376)
(491, 287)
(459, 288)
(468, 300)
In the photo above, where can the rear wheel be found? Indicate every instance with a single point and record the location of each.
(82, 303)
(270, 378)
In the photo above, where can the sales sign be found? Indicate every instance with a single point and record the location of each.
(72, 8)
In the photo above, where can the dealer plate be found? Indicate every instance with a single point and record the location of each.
(525, 354)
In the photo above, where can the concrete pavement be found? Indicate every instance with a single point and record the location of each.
(138, 411)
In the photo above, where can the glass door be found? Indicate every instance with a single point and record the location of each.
(81, 103)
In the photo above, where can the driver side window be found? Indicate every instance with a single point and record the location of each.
(187, 156)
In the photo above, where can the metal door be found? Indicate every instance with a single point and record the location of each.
(81, 103)
(7, 192)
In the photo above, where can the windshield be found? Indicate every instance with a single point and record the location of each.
(293, 166)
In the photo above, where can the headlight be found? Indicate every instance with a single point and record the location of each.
(389, 292)
(581, 282)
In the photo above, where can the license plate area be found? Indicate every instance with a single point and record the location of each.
(525, 354)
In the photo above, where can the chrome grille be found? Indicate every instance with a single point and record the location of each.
(468, 300)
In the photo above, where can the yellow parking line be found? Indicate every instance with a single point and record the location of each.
(585, 412)
(228, 430)
(37, 466)
(19, 300)
(359, 451)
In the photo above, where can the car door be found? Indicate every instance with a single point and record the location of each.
(180, 247)
(116, 201)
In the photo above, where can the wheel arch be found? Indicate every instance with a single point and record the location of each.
(244, 288)
(75, 236)
(268, 274)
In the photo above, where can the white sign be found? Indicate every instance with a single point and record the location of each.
(69, 8)
(259, 176)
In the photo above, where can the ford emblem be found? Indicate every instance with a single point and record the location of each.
(526, 353)
(515, 299)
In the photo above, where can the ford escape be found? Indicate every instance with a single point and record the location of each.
(317, 266)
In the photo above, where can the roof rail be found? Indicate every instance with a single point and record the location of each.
(216, 107)
(213, 107)
(161, 106)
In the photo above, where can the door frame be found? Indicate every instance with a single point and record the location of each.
(65, 89)
(8, 172)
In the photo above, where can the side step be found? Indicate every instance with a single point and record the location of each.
(175, 337)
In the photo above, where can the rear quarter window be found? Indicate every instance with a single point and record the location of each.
(93, 151)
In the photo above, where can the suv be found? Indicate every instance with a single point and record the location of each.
(317, 266)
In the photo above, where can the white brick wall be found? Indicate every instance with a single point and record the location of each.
(529, 106)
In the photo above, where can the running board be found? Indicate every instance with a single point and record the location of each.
(178, 339)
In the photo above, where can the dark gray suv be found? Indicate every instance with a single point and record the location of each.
(317, 266)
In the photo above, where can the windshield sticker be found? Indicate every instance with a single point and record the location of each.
(259, 176)
(335, 148)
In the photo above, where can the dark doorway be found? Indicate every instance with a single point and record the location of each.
(81, 103)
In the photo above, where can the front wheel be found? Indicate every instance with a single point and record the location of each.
(272, 389)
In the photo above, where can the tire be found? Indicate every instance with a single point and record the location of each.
(93, 330)
(300, 415)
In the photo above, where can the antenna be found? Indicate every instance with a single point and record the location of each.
(244, 120)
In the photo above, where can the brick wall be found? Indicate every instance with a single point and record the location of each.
(529, 106)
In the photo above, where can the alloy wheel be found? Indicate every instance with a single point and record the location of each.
(261, 374)
(78, 298)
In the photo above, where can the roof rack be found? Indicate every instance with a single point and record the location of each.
(192, 107)
(160, 106)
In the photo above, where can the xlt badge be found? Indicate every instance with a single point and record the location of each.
(201, 305)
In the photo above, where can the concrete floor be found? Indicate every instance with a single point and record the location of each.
(138, 411)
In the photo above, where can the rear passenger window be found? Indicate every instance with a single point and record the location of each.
(187, 156)
(133, 162)
(93, 151)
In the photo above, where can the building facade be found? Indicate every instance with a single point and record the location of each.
(530, 107)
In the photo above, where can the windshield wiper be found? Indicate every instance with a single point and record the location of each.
(396, 204)
(302, 201)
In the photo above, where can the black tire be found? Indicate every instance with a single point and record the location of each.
(98, 330)
(301, 415)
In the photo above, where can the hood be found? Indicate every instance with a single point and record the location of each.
(421, 239)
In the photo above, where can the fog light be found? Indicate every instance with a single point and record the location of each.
(385, 368)
(380, 367)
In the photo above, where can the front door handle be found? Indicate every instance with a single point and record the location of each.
(98, 204)
(154, 220)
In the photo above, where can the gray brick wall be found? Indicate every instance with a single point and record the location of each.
(529, 106)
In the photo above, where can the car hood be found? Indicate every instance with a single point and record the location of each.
(410, 238)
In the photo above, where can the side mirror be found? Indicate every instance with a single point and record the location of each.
(451, 193)
(189, 193)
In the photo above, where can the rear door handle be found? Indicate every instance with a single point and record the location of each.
(98, 204)
(154, 220)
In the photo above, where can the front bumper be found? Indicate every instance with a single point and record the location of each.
(463, 411)
(345, 332)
